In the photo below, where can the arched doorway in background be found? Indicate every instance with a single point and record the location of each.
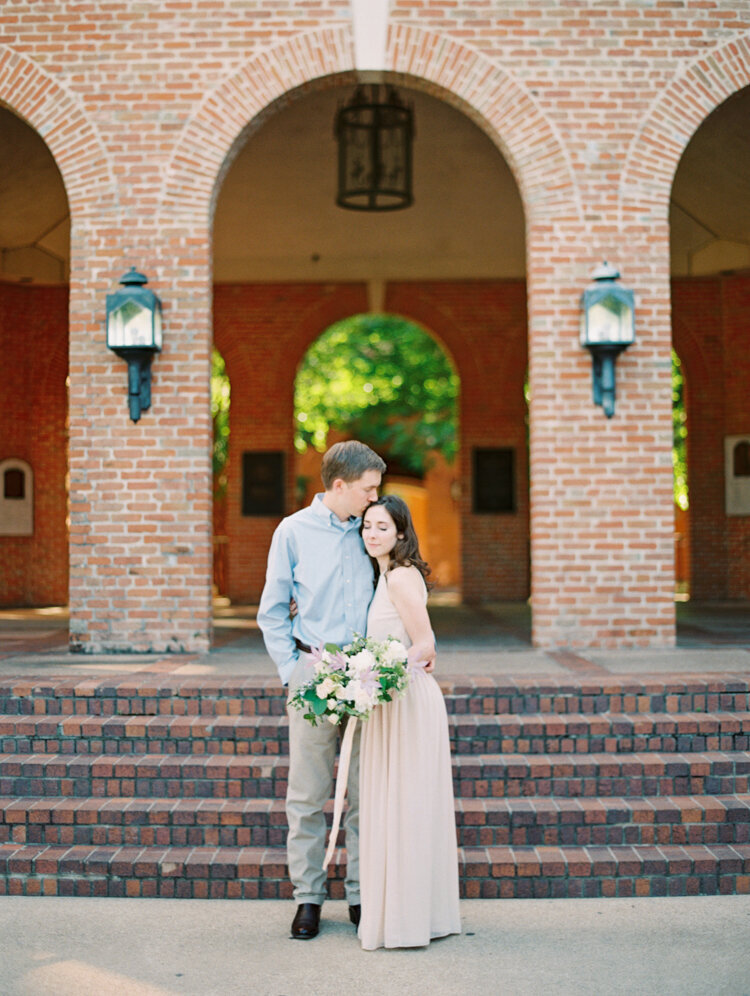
(386, 381)
(288, 263)
(710, 265)
(34, 274)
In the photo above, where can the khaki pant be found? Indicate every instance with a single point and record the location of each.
(312, 753)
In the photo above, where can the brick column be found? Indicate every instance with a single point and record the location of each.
(141, 493)
(601, 489)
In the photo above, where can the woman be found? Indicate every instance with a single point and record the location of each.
(408, 861)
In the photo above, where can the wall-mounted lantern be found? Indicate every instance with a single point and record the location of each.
(607, 328)
(374, 133)
(134, 333)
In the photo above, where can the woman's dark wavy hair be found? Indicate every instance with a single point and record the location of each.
(406, 551)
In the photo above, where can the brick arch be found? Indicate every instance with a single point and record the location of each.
(675, 116)
(426, 60)
(499, 105)
(690, 348)
(314, 308)
(59, 119)
(427, 305)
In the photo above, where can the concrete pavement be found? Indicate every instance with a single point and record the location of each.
(97, 947)
(472, 640)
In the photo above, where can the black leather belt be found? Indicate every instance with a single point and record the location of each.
(302, 646)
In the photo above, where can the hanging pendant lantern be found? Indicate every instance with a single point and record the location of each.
(375, 163)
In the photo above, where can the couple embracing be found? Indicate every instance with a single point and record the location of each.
(351, 562)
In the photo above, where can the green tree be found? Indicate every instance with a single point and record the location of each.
(679, 434)
(382, 379)
(220, 398)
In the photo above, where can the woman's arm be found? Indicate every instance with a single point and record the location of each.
(406, 591)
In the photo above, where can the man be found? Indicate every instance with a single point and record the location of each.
(318, 559)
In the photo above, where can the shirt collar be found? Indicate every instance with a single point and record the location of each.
(323, 511)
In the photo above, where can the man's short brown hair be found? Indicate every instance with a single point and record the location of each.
(349, 461)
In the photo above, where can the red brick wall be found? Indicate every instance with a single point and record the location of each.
(592, 105)
(736, 327)
(34, 350)
(711, 318)
(483, 326)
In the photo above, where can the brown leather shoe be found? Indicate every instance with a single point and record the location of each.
(355, 914)
(306, 922)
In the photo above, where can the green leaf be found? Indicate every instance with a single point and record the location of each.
(384, 380)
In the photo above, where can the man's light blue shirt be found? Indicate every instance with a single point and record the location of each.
(319, 561)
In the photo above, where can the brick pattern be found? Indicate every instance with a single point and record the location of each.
(268, 735)
(158, 695)
(592, 107)
(157, 786)
(480, 822)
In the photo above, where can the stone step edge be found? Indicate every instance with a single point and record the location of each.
(549, 724)
(550, 761)
(497, 861)
(683, 808)
(150, 686)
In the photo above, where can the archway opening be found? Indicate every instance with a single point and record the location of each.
(34, 274)
(384, 380)
(288, 264)
(710, 262)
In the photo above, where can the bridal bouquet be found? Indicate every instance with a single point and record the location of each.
(353, 680)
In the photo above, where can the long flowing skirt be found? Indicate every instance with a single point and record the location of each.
(408, 855)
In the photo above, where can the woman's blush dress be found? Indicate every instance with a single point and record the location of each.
(407, 842)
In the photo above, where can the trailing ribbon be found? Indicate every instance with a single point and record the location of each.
(341, 783)
(342, 778)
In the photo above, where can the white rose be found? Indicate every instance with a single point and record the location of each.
(325, 688)
(363, 701)
(394, 651)
(352, 689)
(362, 661)
(341, 692)
(332, 719)
(332, 703)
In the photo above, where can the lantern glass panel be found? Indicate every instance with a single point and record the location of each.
(157, 325)
(130, 324)
(609, 320)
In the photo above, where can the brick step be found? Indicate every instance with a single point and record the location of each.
(537, 821)
(601, 732)
(168, 695)
(475, 776)
(480, 822)
(269, 735)
(601, 775)
(487, 872)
